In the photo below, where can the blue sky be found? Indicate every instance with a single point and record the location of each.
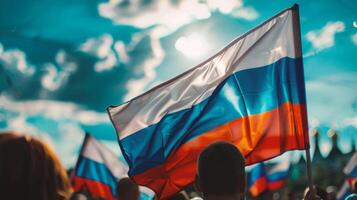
(63, 62)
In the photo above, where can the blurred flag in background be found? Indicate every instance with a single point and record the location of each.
(98, 171)
(277, 175)
(257, 180)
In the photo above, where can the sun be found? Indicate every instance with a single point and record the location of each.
(192, 46)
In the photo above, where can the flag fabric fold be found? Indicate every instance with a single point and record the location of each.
(250, 94)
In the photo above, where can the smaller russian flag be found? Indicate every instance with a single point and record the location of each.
(277, 175)
(351, 170)
(97, 170)
(257, 180)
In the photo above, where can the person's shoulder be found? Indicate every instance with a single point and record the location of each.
(351, 197)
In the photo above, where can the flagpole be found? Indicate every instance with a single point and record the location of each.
(309, 171)
(298, 49)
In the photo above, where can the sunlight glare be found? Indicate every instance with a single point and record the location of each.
(192, 46)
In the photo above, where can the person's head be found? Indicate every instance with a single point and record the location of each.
(127, 190)
(331, 192)
(220, 171)
(319, 193)
(29, 169)
(79, 196)
(179, 196)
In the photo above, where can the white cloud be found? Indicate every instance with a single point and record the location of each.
(65, 135)
(324, 38)
(192, 46)
(332, 98)
(159, 18)
(248, 13)
(54, 110)
(19, 124)
(99, 47)
(140, 14)
(110, 52)
(106, 50)
(15, 60)
(91, 117)
(224, 7)
(164, 16)
(55, 77)
(106, 64)
(351, 121)
(354, 39)
(120, 49)
(69, 142)
(313, 122)
(168, 15)
(137, 86)
(314, 85)
(48, 81)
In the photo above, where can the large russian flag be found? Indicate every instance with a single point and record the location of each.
(97, 170)
(251, 94)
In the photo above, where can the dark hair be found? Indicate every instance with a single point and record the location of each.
(221, 170)
(320, 192)
(29, 169)
(179, 196)
(127, 189)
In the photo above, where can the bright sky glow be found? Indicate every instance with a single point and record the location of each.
(192, 46)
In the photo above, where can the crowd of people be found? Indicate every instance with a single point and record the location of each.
(29, 169)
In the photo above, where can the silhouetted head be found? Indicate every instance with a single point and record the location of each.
(127, 190)
(79, 196)
(320, 193)
(179, 196)
(221, 171)
(29, 169)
